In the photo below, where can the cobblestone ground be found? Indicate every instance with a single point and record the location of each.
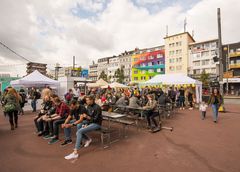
(195, 145)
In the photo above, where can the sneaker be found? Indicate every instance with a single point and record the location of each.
(40, 133)
(55, 140)
(47, 137)
(66, 142)
(71, 156)
(87, 143)
(52, 137)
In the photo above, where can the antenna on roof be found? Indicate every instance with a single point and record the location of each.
(185, 24)
(192, 33)
(166, 30)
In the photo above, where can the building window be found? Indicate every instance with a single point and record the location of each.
(205, 53)
(151, 57)
(135, 59)
(205, 62)
(197, 63)
(135, 72)
(171, 60)
(152, 63)
(171, 68)
(213, 53)
(214, 45)
(135, 78)
(179, 67)
(149, 64)
(196, 71)
(143, 58)
(159, 56)
(143, 72)
(150, 71)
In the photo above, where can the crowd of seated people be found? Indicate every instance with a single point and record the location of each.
(56, 113)
(84, 112)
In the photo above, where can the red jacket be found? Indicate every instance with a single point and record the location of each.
(62, 110)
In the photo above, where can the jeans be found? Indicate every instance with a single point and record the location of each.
(215, 111)
(39, 124)
(11, 115)
(151, 117)
(181, 101)
(34, 105)
(56, 125)
(67, 131)
(81, 133)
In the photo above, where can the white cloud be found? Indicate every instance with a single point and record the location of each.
(48, 32)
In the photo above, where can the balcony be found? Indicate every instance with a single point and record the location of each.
(234, 54)
(234, 66)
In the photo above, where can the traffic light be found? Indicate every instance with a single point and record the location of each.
(215, 59)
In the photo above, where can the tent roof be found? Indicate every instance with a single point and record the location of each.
(98, 83)
(34, 79)
(115, 85)
(172, 79)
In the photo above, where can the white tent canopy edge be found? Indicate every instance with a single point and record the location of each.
(177, 79)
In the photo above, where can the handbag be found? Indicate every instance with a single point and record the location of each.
(9, 108)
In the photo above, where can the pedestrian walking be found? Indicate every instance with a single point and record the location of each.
(215, 101)
(203, 108)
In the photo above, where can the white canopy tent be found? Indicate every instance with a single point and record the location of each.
(98, 83)
(35, 79)
(115, 85)
(177, 79)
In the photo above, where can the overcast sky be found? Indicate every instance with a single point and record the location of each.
(54, 31)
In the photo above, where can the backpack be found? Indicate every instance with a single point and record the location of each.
(68, 97)
(38, 95)
(23, 96)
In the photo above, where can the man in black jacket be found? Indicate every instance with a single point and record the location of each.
(94, 117)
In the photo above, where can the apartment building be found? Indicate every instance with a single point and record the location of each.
(146, 63)
(177, 53)
(201, 58)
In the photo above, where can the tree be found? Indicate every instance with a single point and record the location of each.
(103, 76)
(204, 78)
(119, 74)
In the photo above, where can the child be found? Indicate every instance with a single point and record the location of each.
(203, 109)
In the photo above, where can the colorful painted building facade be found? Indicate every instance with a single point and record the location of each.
(147, 63)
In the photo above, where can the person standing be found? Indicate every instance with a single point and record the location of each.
(181, 98)
(215, 101)
(190, 99)
(33, 96)
(22, 103)
(11, 106)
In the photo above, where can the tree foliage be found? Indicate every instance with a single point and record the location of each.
(204, 78)
(119, 74)
(103, 76)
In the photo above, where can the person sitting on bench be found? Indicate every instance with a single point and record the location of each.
(55, 120)
(149, 109)
(94, 117)
(76, 110)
